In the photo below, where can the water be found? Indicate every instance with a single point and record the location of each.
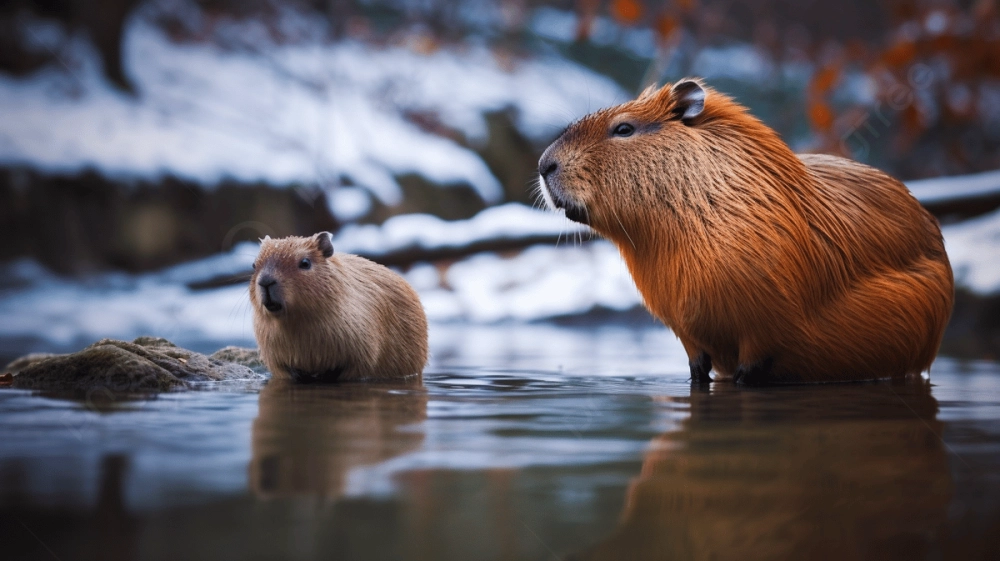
(524, 442)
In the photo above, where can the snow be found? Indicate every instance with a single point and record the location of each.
(737, 61)
(349, 203)
(541, 282)
(65, 312)
(973, 247)
(313, 113)
(941, 189)
(561, 26)
(509, 221)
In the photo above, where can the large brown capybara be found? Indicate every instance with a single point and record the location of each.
(770, 267)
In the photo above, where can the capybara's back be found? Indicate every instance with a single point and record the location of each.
(878, 293)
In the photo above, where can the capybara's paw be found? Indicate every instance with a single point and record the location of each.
(700, 367)
(755, 374)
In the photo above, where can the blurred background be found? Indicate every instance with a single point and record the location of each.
(146, 145)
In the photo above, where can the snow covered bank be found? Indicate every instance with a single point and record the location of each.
(289, 114)
(974, 250)
(65, 312)
(541, 282)
(973, 245)
(940, 189)
(512, 221)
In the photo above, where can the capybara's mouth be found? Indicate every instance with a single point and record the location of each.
(270, 293)
(270, 296)
(270, 303)
(577, 213)
(574, 210)
(558, 200)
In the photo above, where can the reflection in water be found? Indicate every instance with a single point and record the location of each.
(306, 438)
(109, 532)
(117, 532)
(835, 472)
(505, 463)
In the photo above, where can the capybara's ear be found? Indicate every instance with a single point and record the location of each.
(324, 243)
(689, 99)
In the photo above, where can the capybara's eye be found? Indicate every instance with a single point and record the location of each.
(305, 263)
(253, 265)
(624, 129)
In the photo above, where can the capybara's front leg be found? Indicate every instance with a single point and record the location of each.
(755, 374)
(701, 365)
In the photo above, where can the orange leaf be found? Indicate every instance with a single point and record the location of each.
(984, 10)
(899, 54)
(588, 11)
(824, 80)
(821, 116)
(686, 5)
(626, 11)
(856, 50)
(912, 119)
(665, 26)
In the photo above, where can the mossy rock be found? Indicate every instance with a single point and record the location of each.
(243, 356)
(147, 364)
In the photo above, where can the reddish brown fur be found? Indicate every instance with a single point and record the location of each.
(826, 267)
(345, 312)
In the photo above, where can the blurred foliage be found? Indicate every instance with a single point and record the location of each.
(930, 68)
(936, 78)
(911, 85)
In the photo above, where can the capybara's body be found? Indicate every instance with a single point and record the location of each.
(325, 317)
(769, 266)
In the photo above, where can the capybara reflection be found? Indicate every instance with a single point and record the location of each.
(848, 472)
(307, 438)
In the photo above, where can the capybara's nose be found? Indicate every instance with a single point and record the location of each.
(270, 295)
(266, 281)
(547, 166)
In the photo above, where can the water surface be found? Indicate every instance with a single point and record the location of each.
(523, 442)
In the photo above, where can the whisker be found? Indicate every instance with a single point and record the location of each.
(537, 201)
(567, 114)
(236, 307)
(623, 227)
(247, 308)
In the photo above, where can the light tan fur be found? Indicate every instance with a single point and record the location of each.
(821, 267)
(345, 312)
(306, 440)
